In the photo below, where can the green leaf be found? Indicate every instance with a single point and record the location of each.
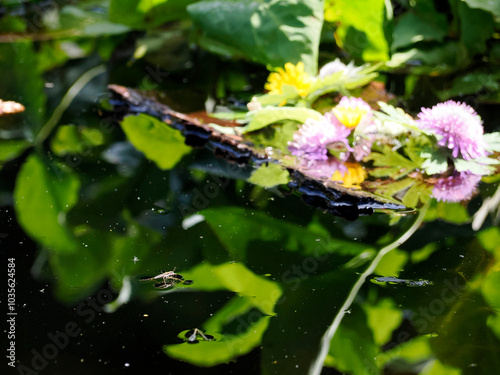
(413, 27)
(465, 325)
(395, 121)
(276, 136)
(383, 318)
(240, 323)
(480, 166)
(43, 194)
(71, 139)
(159, 143)
(454, 213)
(392, 263)
(471, 83)
(490, 240)
(352, 349)
(289, 94)
(21, 82)
(435, 367)
(146, 14)
(238, 228)
(267, 116)
(305, 310)
(360, 29)
(435, 162)
(418, 193)
(84, 21)
(270, 175)
(433, 60)
(270, 32)
(492, 141)
(490, 289)
(349, 79)
(390, 163)
(10, 149)
(409, 191)
(490, 6)
(411, 353)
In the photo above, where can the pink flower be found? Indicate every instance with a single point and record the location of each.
(322, 169)
(459, 127)
(362, 147)
(457, 187)
(312, 140)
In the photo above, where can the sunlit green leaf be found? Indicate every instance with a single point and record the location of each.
(392, 264)
(390, 163)
(419, 192)
(159, 143)
(480, 166)
(277, 136)
(70, 139)
(267, 116)
(240, 323)
(406, 355)
(435, 162)
(493, 141)
(451, 212)
(342, 81)
(269, 32)
(383, 318)
(10, 149)
(44, 193)
(490, 239)
(360, 29)
(269, 175)
(435, 367)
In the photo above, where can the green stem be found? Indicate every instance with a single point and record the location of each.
(317, 365)
(66, 101)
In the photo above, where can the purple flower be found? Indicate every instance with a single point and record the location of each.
(457, 187)
(312, 140)
(362, 147)
(322, 169)
(458, 125)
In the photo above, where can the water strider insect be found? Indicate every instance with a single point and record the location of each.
(170, 278)
(193, 336)
(395, 280)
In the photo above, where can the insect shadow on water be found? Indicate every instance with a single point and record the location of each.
(394, 280)
(169, 279)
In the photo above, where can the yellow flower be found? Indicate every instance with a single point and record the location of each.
(353, 177)
(350, 117)
(293, 75)
(352, 111)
